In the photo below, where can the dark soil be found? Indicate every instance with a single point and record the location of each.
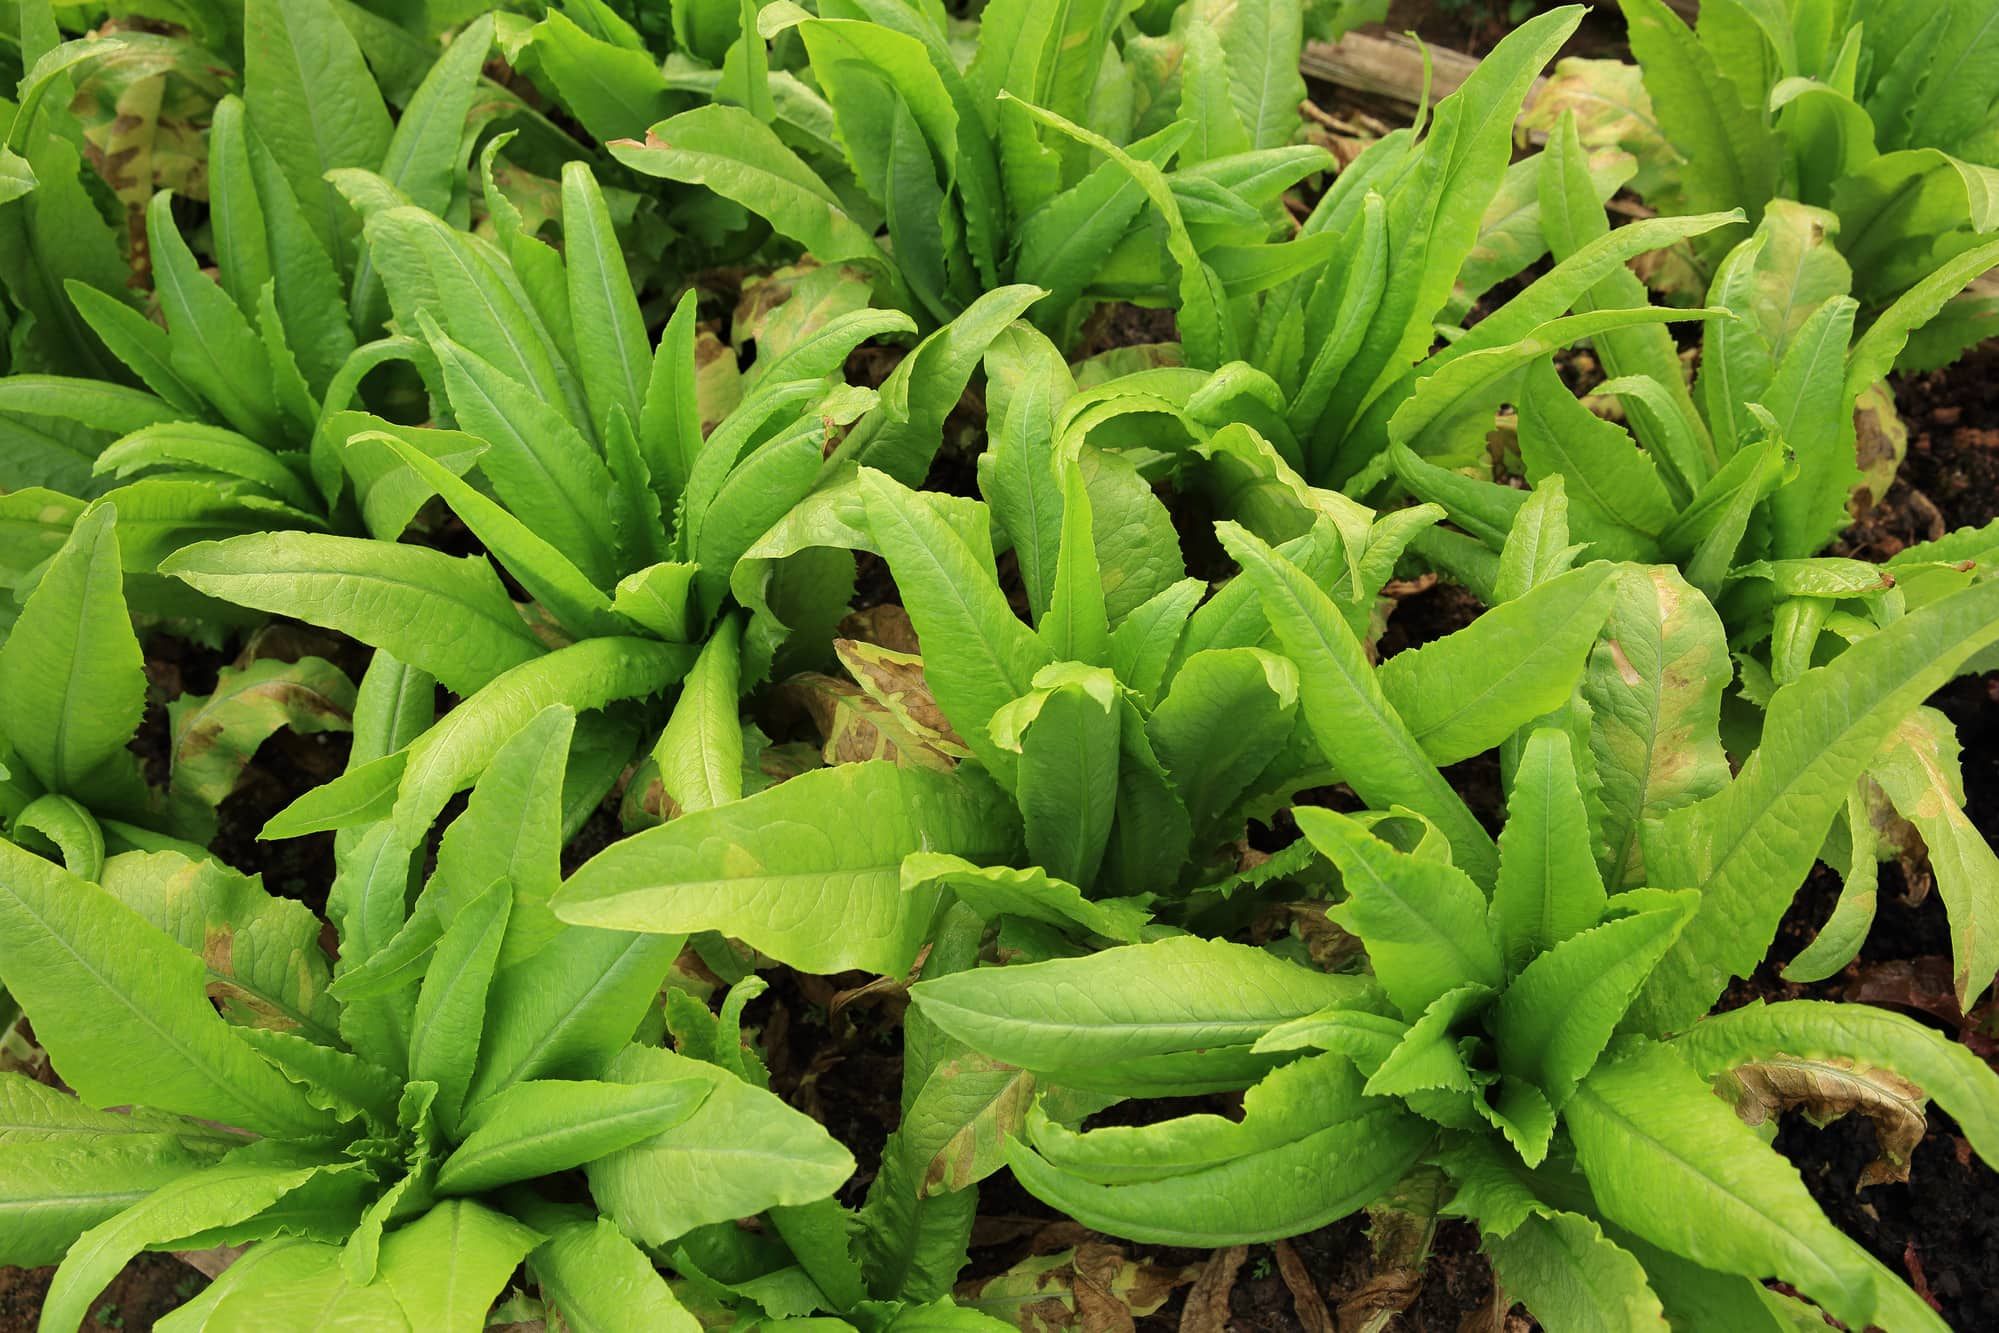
(1474, 27)
(1951, 476)
(151, 1286)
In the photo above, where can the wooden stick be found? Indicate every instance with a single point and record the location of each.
(1386, 65)
(1390, 65)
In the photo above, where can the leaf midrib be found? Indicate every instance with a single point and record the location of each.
(166, 1035)
(505, 1150)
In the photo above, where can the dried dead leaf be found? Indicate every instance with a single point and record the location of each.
(1093, 1286)
(1326, 943)
(1207, 1307)
(858, 727)
(1305, 1297)
(1400, 1230)
(215, 735)
(1381, 1296)
(1881, 443)
(1827, 1089)
(886, 625)
(895, 680)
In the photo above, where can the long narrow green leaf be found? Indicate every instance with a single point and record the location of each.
(71, 670)
(740, 158)
(1748, 847)
(979, 654)
(219, 1196)
(212, 345)
(1468, 691)
(391, 597)
(315, 103)
(1356, 727)
(540, 1128)
(610, 336)
(451, 1003)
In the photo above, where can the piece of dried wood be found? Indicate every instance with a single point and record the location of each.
(1386, 65)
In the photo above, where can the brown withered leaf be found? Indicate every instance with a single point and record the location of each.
(262, 953)
(718, 380)
(896, 682)
(990, 1102)
(1207, 1307)
(288, 641)
(779, 310)
(1326, 943)
(644, 803)
(211, 1263)
(1305, 1297)
(891, 993)
(216, 735)
(1094, 1287)
(887, 625)
(1400, 1228)
(1827, 1089)
(144, 113)
(1882, 442)
(858, 727)
(1924, 985)
(1382, 1295)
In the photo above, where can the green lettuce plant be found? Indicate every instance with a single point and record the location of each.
(986, 171)
(1410, 231)
(1882, 113)
(372, 1126)
(230, 408)
(597, 492)
(1068, 778)
(471, 1064)
(1124, 733)
(1754, 456)
(1532, 1031)
(229, 414)
(1743, 476)
(75, 681)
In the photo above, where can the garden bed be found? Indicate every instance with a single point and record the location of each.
(832, 1043)
(1939, 1228)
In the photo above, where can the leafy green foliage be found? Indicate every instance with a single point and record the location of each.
(314, 342)
(1865, 110)
(255, 370)
(74, 674)
(394, 1113)
(1410, 228)
(553, 433)
(1739, 479)
(1486, 1043)
(1059, 154)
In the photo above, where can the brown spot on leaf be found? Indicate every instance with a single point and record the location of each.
(1625, 671)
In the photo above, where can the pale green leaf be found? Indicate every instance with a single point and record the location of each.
(792, 873)
(740, 1152)
(545, 1126)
